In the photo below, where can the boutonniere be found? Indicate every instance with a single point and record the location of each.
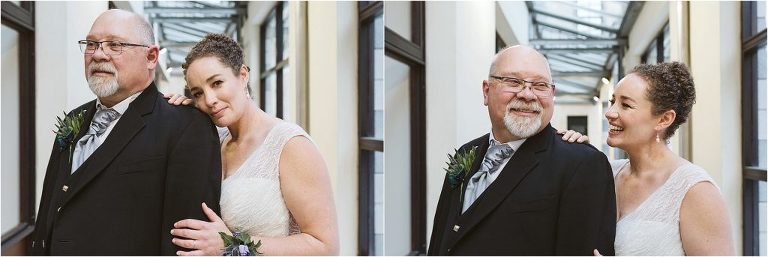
(459, 165)
(239, 244)
(67, 129)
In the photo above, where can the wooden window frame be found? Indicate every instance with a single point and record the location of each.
(21, 18)
(752, 40)
(280, 61)
(412, 53)
(368, 143)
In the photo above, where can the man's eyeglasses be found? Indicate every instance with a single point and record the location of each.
(109, 47)
(516, 85)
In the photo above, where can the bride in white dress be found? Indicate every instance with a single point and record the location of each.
(275, 184)
(665, 204)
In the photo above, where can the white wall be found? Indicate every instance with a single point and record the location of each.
(650, 21)
(513, 22)
(332, 34)
(460, 43)
(59, 65)
(716, 117)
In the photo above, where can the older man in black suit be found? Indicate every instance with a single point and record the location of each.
(137, 165)
(528, 192)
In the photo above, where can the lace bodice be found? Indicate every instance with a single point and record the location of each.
(251, 199)
(654, 227)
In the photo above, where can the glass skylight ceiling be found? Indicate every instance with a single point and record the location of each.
(180, 24)
(581, 40)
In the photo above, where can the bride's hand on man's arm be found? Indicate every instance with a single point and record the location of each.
(200, 236)
(176, 99)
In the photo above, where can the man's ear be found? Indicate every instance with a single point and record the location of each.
(153, 55)
(486, 88)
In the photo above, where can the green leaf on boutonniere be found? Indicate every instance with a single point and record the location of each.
(459, 165)
(67, 129)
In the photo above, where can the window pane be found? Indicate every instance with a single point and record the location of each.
(399, 17)
(9, 92)
(760, 16)
(378, 209)
(397, 148)
(650, 57)
(378, 75)
(761, 107)
(270, 50)
(285, 30)
(270, 94)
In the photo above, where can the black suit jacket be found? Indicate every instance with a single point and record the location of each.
(156, 167)
(551, 198)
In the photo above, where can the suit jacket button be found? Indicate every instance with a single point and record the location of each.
(64, 188)
(456, 228)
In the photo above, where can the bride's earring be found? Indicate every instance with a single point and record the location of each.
(658, 140)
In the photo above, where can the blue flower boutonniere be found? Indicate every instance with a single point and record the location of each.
(459, 165)
(67, 129)
(239, 244)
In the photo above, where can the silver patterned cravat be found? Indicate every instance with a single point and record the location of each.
(481, 179)
(101, 120)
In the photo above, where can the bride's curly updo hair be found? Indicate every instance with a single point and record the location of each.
(220, 46)
(670, 87)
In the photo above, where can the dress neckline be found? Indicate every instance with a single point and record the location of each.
(256, 150)
(652, 195)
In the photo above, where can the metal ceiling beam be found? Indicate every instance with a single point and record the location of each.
(584, 8)
(577, 21)
(585, 59)
(547, 24)
(572, 84)
(630, 17)
(529, 5)
(585, 42)
(187, 30)
(576, 74)
(192, 19)
(178, 44)
(207, 10)
(571, 50)
(576, 62)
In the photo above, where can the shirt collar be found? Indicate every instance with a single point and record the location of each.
(514, 144)
(120, 107)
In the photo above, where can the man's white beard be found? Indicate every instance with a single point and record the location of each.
(102, 86)
(523, 127)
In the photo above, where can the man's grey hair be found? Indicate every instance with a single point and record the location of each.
(145, 31)
(492, 70)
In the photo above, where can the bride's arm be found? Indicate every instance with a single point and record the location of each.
(704, 225)
(306, 188)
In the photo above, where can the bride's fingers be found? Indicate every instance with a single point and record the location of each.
(186, 243)
(190, 223)
(167, 96)
(186, 101)
(187, 233)
(596, 252)
(211, 214)
(192, 253)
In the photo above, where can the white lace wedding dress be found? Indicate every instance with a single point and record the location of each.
(654, 227)
(251, 199)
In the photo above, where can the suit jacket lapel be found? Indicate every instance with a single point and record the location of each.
(522, 162)
(130, 123)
